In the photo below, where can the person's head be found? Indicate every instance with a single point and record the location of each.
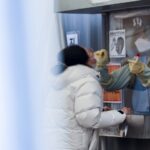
(73, 55)
(119, 45)
(91, 61)
(70, 56)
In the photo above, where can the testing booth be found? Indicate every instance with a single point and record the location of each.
(101, 24)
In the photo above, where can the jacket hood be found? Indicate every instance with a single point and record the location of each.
(72, 74)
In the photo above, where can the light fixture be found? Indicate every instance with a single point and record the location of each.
(107, 2)
(99, 1)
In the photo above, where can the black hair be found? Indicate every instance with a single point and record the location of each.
(120, 39)
(73, 55)
(70, 56)
(119, 45)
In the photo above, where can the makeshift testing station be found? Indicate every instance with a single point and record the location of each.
(104, 24)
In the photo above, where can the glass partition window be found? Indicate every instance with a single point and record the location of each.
(137, 30)
(134, 28)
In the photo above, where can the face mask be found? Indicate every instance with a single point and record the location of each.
(142, 45)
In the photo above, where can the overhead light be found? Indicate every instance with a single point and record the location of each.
(106, 2)
(99, 1)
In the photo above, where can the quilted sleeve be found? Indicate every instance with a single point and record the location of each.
(116, 80)
(88, 108)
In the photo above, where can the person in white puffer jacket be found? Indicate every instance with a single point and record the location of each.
(74, 109)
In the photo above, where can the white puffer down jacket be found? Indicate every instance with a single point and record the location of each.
(74, 110)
